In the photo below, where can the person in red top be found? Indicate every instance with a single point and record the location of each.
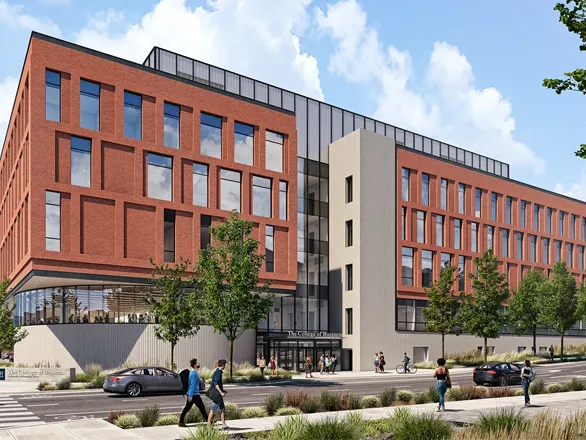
(273, 366)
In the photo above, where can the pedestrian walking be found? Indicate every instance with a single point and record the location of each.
(216, 394)
(527, 376)
(381, 362)
(442, 375)
(322, 363)
(406, 362)
(334, 360)
(194, 386)
(273, 366)
(328, 364)
(551, 352)
(308, 367)
(376, 363)
(262, 364)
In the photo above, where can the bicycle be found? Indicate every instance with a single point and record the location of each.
(410, 369)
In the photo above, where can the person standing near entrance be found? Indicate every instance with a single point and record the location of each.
(193, 397)
(551, 352)
(273, 366)
(376, 363)
(308, 367)
(322, 363)
(262, 364)
(334, 362)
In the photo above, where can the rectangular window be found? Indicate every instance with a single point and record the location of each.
(446, 260)
(532, 248)
(169, 235)
(270, 248)
(573, 226)
(200, 184)
(89, 105)
(558, 251)
(581, 257)
(439, 230)
(584, 229)
(478, 203)
(474, 233)
(243, 143)
(426, 268)
(461, 273)
(204, 232)
(519, 245)
(171, 121)
(210, 138)
(490, 237)
(493, 206)
(405, 185)
(349, 236)
(546, 251)
(52, 221)
(523, 212)
(548, 220)
(444, 194)
(261, 196)
(457, 233)
(230, 182)
(420, 227)
(349, 322)
(425, 189)
(274, 151)
(461, 197)
(536, 217)
(561, 228)
(52, 96)
(403, 212)
(81, 152)
(349, 189)
(570, 255)
(160, 175)
(283, 200)
(407, 266)
(349, 277)
(505, 234)
(132, 116)
(509, 202)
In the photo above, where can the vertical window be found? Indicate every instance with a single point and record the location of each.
(407, 266)
(132, 116)
(507, 271)
(283, 200)
(171, 134)
(230, 190)
(89, 105)
(583, 229)
(519, 245)
(581, 257)
(200, 184)
(532, 248)
(81, 151)
(523, 212)
(169, 235)
(548, 220)
(403, 212)
(261, 196)
(493, 205)
(426, 268)
(349, 236)
(570, 255)
(349, 322)
(405, 185)
(210, 137)
(536, 217)
(561, 229)
(573, 226)
(457, 233)
(444, 194)
(546, 251)
(420, 227)
(204, 232)
(478, 203)
(505, 233)
(274, 151)
(349, 189)
(445, 260)
(243, 143)
(349, 276)
(439, 230)
(52, 221)
(425, 189)
(474, 231)
(558, 251)
(461, 197)
(270, 248)
(508, 210)
(461, 273)
(160, 177)
(52, 96)
(490, 237)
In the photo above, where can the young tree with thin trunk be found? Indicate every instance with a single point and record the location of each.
(524, 313)
(442, 315)
(10, 333)
(483, 315)
(228, 269)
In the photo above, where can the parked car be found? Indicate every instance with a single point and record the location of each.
(142, 380)
(8, 356)
(497, 373)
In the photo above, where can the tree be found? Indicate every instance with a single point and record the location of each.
(442, 315)
(560, 302)
(573, 16)
(176, 311)
(525, 306)
(10, 334)
(483, 315)
(233, 299)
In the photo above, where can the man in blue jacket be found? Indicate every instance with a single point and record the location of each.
(193, 397)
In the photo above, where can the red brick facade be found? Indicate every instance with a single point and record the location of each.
(113, 228)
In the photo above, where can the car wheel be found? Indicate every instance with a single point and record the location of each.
(133, 389)
(503, 381)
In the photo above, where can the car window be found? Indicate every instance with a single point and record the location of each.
(514, 368)
(143, 372)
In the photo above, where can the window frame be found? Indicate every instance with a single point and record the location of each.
(91, 95)
(169, 110)
(129, 104)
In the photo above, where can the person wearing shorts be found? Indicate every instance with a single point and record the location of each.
(217, 383)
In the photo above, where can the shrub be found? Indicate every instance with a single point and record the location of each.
(273, 403)
(404, 396)
(206, 432)
(256, 377)
(194, 416)
(83, 377)
(114, 415)
(388, 396)
(296, 398)
(519, 393)
(281, 376)
(406, 425)
(575, 384)
(127, 421)
(555, 388)
(64, 384)
(232, 411)
(369, 402)
(79, 386)
(310, 405)
(354, 402)
(331, 428)
(421, 398)
(42, 386)
(330, 401)
(97, 382)
(93, 370)
(501, 392)
(537, 387)
(290, 429)
(433, 394)
(254, 412)
(466, 393)
(148, 416)
(168, 419)
(289, 411)
(502, 420)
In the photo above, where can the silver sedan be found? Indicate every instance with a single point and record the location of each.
(142, 380)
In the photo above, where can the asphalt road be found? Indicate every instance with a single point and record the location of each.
(75, 405)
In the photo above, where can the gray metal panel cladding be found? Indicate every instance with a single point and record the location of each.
(167, 62)
(348, 122)
(301, 119)
(184, 67)
(261, 92)
(275, 96)
(232, 83)
(337, 123)
(325, 131)
(313, 130)
(247, 87)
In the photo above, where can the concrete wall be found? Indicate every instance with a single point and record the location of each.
(111, 345)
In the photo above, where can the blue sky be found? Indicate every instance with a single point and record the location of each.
(468, 73)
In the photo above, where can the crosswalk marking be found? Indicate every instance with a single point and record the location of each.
(14, 414)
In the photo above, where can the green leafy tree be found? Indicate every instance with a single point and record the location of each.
(560, 302)
(573, 16)
(175, 309)
(483, 315)
(442, 315)
(233, 299)
(524, 314)
(10, 334)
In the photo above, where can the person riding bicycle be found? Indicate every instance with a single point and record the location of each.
(406, 362)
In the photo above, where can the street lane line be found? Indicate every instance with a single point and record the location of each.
(14, 415)
(43, 404)
(19, 419)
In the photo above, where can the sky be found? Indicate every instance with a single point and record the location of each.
(467, 73)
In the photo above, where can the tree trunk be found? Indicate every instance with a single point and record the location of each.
(562, 349)
(485, 350)
(534, 340)
(172, 355)
(231, 356)
(443, 345)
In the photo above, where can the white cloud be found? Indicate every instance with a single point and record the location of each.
(8, 89)
(259, 38)
(447, 105)
(576, 190)
(14, 16)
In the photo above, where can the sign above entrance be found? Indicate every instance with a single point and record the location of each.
(315, 335)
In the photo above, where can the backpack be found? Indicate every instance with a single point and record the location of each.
(184, 375)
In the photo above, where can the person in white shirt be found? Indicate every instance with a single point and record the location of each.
(527, 376)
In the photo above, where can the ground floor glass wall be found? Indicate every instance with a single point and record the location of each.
(291, 354)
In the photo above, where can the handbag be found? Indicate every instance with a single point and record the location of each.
(214, 395)
(202, 385)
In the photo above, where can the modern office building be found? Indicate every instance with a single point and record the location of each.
(108, 163)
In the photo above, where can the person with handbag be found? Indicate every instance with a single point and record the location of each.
(195, 385)
(442, 375)
(527, 376)
(216, 394)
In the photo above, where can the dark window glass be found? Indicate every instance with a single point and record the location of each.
(405, 185)
(505, 247)
(210, 135)
(270, 248)
(558, 251)
(89, 105)
(546, 251)
(490, 237)
(581, 257)
(349, 189)
(493, 206)
(461, 197)
(349, 322)
(349, 236)
(132, 116)
(536, 217)
(478, 202)
(532, 246)
(172, 119)
(444, 194)
(407, 266)
(169, 235)
(403, 211)
(461, 272)
(561, 229)
(509, 202)
(204, 233)
(349, 277)
(52, 96)
(523, 212)
(420, 227)
(80, 161)
(261, 196)
(425, 189)
(519, 245)
(426, 268)
(243, 143)
(474, 235)
(570, 255)
(573, 226)
(283, 200)
(439, 230)
(548, 220)
(446, 260)
(457, 233)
